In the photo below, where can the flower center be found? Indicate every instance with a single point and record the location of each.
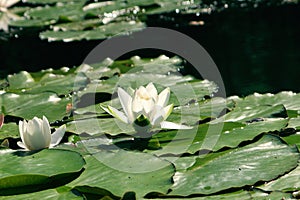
(143, 95)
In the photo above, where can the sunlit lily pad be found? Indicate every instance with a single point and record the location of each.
(23, 171)
(49, 82)
(30, 105)
(290, 100)
(124, 171)
(99, 126)
(213, 137)
(10, 130)
(101, 32)
(50, 194)
(255, 113)
(288, 182)
(261, 161)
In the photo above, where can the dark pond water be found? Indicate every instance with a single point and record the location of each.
(256, 50)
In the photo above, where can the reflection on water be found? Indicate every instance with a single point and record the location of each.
(256, 50)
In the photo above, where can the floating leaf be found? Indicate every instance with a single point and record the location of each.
(290, 100)
(124, 171)
(49, 82)
(213, 136)
(261, 161)
(288, 182)
(51, 194)
(100, 126)
(101, 32)
(30, 105)
(23, 171)
(10, 130)
(256, 113)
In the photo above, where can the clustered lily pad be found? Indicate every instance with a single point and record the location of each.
(234, 148)
(73, 20)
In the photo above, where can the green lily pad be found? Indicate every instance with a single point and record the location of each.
(294, 123)
(242, 194)
(288, 183)
(20, 80)
(261, 161)
(101, 32)
(31, 22)
(245, 114)
(123, 171)
(28, 106)
(69, 11)
(49, 82)
(10, 130)
(290, 100)
(51, 1)
(293, 139)
(51, 194)
(94, 126)
(213, 136)
(23, 171)
(190, 114)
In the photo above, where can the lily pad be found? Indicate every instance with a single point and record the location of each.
(101, 32)
(51, 194)
(69, 11)
(290, 100)
(49, 82)
(51, 1)
(94, 126)
(213, 137)
(294, 123)
(123, 171)
(192, 113)
(246, 114)
(23, 171)
(288, 183)
(10, 130)
(261, 161)
(28, 106)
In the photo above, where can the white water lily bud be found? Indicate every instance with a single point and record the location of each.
(36, 134)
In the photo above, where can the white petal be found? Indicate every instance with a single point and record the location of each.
(152, 91)
(118, 114)
(157, 115)
(21, 144)
(163, 97)
(21, 129)
(171, 125)
(167, 111)
(57, 135)
(148, 105)
(126, 102)
(137, 105)
(34, 137)
(115, 113)
(46, 131)
(9, 3)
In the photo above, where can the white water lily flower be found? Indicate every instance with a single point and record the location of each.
(36, 134)
(146, 108)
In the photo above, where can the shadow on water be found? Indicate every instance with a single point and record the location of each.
(256, 50)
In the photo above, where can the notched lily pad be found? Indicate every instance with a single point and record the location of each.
(30, 105)
(24, 171)
(263, 160)
(123, 171)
